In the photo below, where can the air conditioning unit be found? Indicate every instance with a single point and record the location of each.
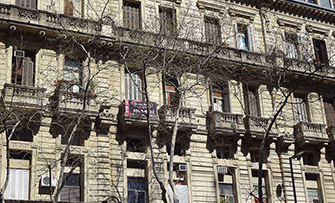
(182, 167)
(19, 53)
(222, 170)
(45, 181)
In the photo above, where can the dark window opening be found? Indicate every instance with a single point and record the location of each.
(171, 91)
(136, 164)
(224, 152)
(136, 145)
(27, 3)
(23, 69)
(309, 158)
(23, 134)
(73, 8)
(329, 106)
(254, 156)
(132, 15)
(77, 140)
(178, 150)
(168, 25)
(21, 155)
(137, 190)
(320, 51)
(212, 31)
(251, 100)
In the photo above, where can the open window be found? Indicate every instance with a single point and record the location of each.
(220, 98)
(27, 3)
(251, 100)
(227, 184)
(73, 8)
(73, 75)
(133, 85)
(132, 14)
(320, 51)
(171, 91)
(137, 184)
(168, 22)
(301, 112)
(19, 176)
(212, 30)
(244, 37)
(291, 45)
(329, 106)
(72, 190)
(23, 69)
(265, 185)
(313, 188)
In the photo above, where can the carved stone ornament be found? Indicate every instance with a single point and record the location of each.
(30, 15)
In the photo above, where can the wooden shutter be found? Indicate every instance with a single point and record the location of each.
(68, 7)
(131, 15)
(28, 72)
(330, 112)
(250, 37)
(18, 185)
(301, 108)
(237, 37)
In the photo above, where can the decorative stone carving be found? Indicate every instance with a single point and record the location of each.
(30, 15)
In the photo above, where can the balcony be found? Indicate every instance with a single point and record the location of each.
(73, 102)
(310, 133)
(331, 133)
(225, 124)
(256, 126)
(23, 96)
(187, 118)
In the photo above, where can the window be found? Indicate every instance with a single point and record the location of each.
(171, 94)
(312, 1)
(329, 106)
(300, 108)
(223, 152)
(19, 176)
(180, 181)
(73, 76)
(291, 44)
(309, 158)
(73, 8)
(77, 140)
(244, 37)
(133, 85)
(27, 3)
(220, 98)
(325, 3)
(23, 70)
(168, 22)
(131, 15)
(320, 51)
(178, 149)
(265, 184)
(313, 188)
(136, 145)
(212, 31)
(137, 184)
(73, 181)
(226, 182)
(251, 100)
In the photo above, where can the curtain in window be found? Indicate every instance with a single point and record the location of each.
(133, 86)
(18, 185)
(300, 108)
(131, 15)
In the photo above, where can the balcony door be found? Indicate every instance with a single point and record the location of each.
(23, 68)
(330, 111)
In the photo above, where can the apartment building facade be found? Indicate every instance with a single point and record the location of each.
(221, 125)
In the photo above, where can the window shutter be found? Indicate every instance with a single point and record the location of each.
(330, 112)
(250, 38)
(237, 37)
(18, 185)
(28, 72)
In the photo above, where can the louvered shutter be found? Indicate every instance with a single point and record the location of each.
(330, 112)
(18, 185)
(250, 37)
(301, 109)
(28, 72)
(237, 37)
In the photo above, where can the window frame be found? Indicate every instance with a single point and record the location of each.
(129, 7)
(164, 21)
(303, 104)
(212, 27)
(133, 91)
(23, 3)
(254, 90)
(231, 172)
(75, 12)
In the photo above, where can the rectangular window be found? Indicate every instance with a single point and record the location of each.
(325, 3)
(313, 188)
(180, 181)
(73, 76)
(329, 106)
(226, 182)
(136, 145)
(309, 158)
(244, 37)
(179, 150)
(251, 100)
(171, 94)
(27, 3)
(291, 44)
(300, 108)
(73, 8)
(73, 181)
(320, 51)
(168, 21)
(265, 185)
(133, 86)
(220, 98)
(131, 15)
(23, 70)
(137, 184)
(212, 31)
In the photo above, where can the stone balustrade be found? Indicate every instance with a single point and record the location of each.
(255, 124)
(307, 132)
(23, 95)
(226, 122)
(73, 101)
(187, 117)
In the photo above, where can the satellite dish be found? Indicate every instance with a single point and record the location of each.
(279, 190)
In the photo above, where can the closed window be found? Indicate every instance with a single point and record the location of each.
(291, 45)
(137, 184)
(73, 76)
(313, 188)
(244, 37)
(133, 86)
(329, 106)
(73, 7)
(226, 182)
(27, 3)
(212, 31)
(265, 185)
(171, 91)
(251, 100)
(300, 108)
(23, 70)
(320, 51)
(220, 98)
(167, 17)
(131, 15)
